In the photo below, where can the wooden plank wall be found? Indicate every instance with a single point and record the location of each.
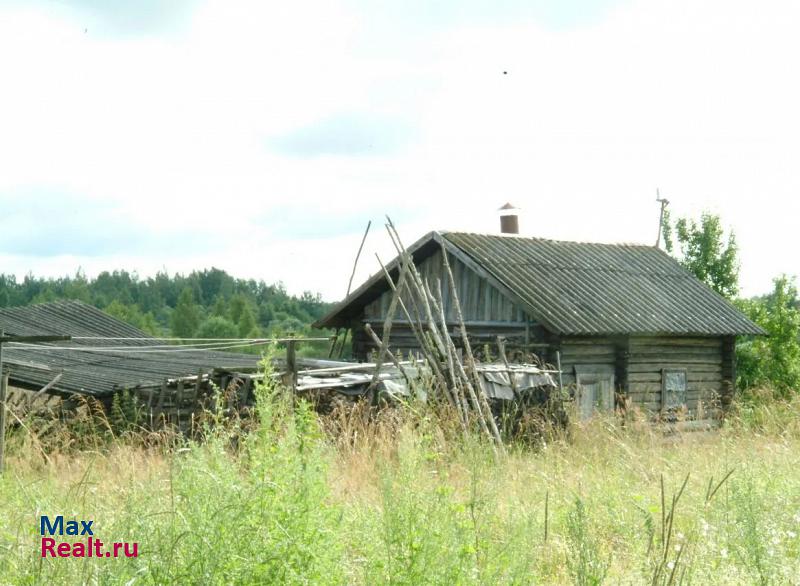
(480, 301)
(402, 338)
(586, 351)
(700, 357)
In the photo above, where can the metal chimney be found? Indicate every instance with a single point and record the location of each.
(509, 219)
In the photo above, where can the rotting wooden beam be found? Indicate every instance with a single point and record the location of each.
(49, 385)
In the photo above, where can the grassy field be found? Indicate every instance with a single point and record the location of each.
(399, 501)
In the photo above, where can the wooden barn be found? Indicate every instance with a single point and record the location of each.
(629, 324)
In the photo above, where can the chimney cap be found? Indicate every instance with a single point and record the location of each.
(508, 210)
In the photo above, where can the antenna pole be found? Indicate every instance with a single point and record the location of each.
(664, 203)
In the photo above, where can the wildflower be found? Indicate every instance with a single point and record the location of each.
(723, 553)
(671, 565)
(678, 547)
(704, 527)
(791, 534)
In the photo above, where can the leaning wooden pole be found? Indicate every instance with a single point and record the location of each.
(441, 340)
(387, 327)
(459, 379)
(416, 279)
(416, 325)
(346, 295)
(417, 330)
(501, 349)
(470, 359)
(461, 376)
(392, 357)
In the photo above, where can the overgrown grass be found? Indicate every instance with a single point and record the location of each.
(401, 499)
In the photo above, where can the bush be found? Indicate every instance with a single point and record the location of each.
(772, 360)
(217, 327)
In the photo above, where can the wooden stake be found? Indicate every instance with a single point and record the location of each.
(420, 288)
(344, 341)
(387, 326)
(346, 295)
(417, 330)
(358, 255)
(291, 365)
(470, 359)
(452, 357)
(3, 390)
(462, 375)
(395, 361)
(501, 349)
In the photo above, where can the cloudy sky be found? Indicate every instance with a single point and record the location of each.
(260, 137)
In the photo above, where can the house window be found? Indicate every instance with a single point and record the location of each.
(673, 389)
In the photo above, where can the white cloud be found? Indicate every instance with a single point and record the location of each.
(175, 130)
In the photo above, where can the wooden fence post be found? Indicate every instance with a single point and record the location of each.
(3, 387)
(3, 390)
(291, 364)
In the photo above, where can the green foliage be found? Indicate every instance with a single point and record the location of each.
(586, 563)
(705, 252)
(149, 304)
(261, 516)
(133, 315)
(217, 327)
(773, 360)
(185, 318)
(220, 308)
(126, 413)
(751, 542)
(247, 324)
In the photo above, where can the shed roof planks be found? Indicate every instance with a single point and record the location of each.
(127, 363)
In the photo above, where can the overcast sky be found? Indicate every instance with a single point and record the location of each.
(260, 137)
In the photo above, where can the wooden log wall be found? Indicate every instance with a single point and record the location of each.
(586, 351)
(728, 370)
(402, 338)
(702, 358)
(480, 301)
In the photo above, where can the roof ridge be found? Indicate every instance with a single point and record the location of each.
(555, 240)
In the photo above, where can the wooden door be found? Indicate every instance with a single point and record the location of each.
(595, 390)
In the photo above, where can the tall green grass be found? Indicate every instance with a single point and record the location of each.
(399, 498)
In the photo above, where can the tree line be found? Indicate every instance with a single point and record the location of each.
(203, 304)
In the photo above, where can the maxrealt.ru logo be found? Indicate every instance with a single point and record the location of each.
(90, 547)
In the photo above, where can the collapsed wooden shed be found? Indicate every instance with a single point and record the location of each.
(104, 357)
(630, 325)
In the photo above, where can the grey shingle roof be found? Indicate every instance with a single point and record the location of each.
(582, 288)
(576, 288)
(98, 372)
